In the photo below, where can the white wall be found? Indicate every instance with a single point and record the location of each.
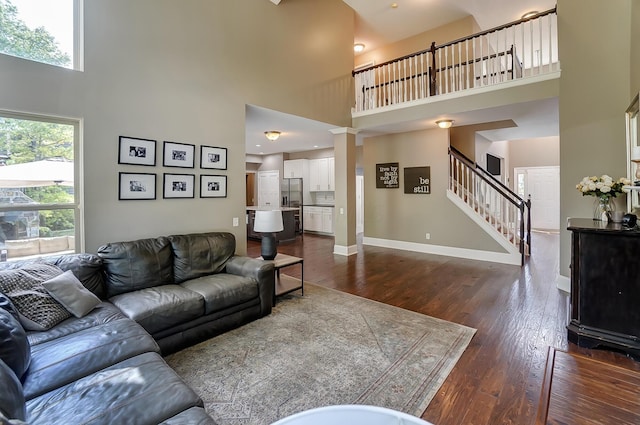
(183, 71)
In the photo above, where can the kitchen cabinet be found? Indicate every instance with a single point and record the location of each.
(318, 219)
(296, 169)
(327, 220)
(322, 175)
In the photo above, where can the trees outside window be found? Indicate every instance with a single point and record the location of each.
(35, 40)
(37, 185)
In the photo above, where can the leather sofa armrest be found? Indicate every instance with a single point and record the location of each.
(262, 271)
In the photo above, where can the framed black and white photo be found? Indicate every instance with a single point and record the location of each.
(178, 155)
(212, 157)
(178, 185)
(213, 186)
(132, 150)
(133, 186)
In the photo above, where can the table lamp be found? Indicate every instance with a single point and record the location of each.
(267, 223)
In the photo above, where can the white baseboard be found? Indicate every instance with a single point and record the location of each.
(345, 250)
(563, 283)
(449, 251)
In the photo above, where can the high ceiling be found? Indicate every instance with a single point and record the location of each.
(378, 24)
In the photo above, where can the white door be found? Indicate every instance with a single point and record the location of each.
(359, 204)
(543, 185)
(269, 189)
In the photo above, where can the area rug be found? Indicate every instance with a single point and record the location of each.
(324, 348)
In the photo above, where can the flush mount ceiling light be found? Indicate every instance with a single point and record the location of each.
(529, 14)
(444, 123)
(272, 135)
(358, 47)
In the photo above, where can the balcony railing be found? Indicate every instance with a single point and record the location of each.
(522, 49)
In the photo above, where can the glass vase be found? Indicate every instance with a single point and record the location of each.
(602, 208)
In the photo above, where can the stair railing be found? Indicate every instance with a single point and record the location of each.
(519, 49)
(503, 209)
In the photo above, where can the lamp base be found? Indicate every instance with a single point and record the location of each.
(269, 246)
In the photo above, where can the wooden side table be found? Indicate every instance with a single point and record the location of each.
(286, 284)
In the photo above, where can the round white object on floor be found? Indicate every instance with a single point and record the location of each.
(352, 414)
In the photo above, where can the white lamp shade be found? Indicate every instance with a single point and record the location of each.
(268, 221)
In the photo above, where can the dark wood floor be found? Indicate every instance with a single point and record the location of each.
(518, 313)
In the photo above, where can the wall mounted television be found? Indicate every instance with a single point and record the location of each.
(493, 165)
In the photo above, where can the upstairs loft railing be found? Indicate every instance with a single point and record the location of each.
(519, 49)
(502, 208)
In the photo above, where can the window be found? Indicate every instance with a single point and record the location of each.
(42, 30)
(39, 205)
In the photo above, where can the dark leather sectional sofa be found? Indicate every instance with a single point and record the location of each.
(156, 296)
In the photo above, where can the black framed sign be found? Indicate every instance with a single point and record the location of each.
(212, 157)
(387, 176)
(136, 186)
(135, 151)
(178, 185)
(178, 155)
(417, 180)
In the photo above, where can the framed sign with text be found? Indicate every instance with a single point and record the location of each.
(387, 176)
(417, 180)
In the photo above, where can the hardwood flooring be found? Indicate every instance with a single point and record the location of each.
(518, 312)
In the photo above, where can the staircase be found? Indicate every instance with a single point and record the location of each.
(498, 210)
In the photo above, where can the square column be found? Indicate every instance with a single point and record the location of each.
(344, 142)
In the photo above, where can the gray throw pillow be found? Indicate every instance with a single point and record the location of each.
(38, 311)
(68, 291)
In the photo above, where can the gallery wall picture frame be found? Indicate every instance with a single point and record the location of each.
(213, 186)
(213, 157)
(136, 186)
(178, 186)
(136, 151)
(178, 155)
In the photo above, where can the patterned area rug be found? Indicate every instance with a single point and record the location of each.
(325, 348)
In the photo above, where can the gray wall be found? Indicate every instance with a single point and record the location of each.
(595, 90)
(183, 71)
(392, 214)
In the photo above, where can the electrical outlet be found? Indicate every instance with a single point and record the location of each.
(427, 235)
(341, 211)
(236, 222)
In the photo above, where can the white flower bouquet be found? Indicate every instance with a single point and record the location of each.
(602, 187)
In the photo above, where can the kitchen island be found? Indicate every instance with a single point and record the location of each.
(288, 220)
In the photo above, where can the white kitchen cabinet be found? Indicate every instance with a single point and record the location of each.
(318, 219)
(321, 175)
(312, 219)
(296, 169)
(327, 220)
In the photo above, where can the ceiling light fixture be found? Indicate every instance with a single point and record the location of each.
(358, 47)
(272, 135)
(394, 5)
(444, 123)
(529, 14)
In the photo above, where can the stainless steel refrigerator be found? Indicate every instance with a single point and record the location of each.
(291, 193)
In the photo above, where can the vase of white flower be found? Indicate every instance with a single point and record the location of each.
(603, 207)
(604, 188)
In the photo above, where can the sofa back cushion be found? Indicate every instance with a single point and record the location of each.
(200, 254)
(15, 350)
(134, 265)
(86, 267)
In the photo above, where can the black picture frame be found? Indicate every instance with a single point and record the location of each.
(212, 157)
(178, 186)
(136, 186)
(136, 151)
(180, 155)
(213, 186)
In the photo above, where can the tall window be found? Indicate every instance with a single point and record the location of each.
(42, 30)
(39, 205)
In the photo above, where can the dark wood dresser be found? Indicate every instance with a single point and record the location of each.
(605, 286)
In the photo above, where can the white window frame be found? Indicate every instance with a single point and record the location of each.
(77, 205)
